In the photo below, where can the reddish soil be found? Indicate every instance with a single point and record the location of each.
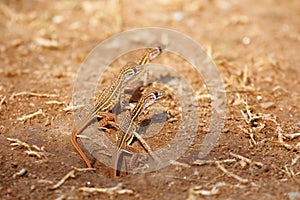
(255, 45)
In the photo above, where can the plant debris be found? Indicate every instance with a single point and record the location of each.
(38, 152)
(32, 115)
(112, 192)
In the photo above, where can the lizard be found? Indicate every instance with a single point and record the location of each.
(128, 127)
(109, 97)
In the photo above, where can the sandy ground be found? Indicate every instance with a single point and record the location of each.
(255, 45)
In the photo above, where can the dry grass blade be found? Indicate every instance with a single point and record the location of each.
(56, 102)
(176, 163)
(17, 142)
(34, 153)
(196, 191)
(70, 107)
(254, 121)
(40, 153)
(71, 174)
(239, 79)
(112, 192)
(281, 139)
(204, 162)
(47, 43)
(83, 169)
(247, 160)
(292, 136)
(62, 197)
(2, 101)
(280, 134)
(29, 116)
(32, 94)
(230, 174)
(22, 172)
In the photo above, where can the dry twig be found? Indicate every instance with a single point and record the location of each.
(204, 162)
(247, 160)
(47, 43)
(196, 191)
(71, 174)
(40, 153)
(29, 116)
(56, 102)
(174, 162)
(83, 169)
(32, 94)
(214, 189)
(2, 101)
(112, 192)
(22, 172)
(254, 121)
(292, 136)
(70, 107)
(17, 142)
(281, 135)
(230, 174)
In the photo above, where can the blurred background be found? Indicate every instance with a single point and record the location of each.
(254, 43)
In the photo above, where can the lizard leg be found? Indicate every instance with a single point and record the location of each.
(107, 119)
(122, 164)
(133, 163)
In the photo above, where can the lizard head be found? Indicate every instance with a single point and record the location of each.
(150, 54)
(152, 95)
(130, 71)
(155, 52)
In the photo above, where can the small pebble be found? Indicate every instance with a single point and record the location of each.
(47, 122)
(259, 97)
(9, 190)
(32, 187)
(178, 16)
(246, 40)
(57, 19)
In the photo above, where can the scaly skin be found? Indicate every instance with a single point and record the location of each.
(110, 96)
(148, 98)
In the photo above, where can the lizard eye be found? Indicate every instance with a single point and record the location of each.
(158, 94)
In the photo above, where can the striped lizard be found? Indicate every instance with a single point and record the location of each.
(110, 96)
(127, 125)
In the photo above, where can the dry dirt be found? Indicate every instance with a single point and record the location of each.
(255, 45)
